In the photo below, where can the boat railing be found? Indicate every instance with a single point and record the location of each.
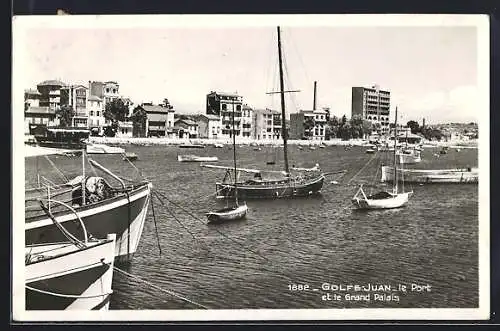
(70, 236)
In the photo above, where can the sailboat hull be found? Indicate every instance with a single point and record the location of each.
(272, 189)
(470, 176)
(68, 278)
(124, 215)
(392, 201)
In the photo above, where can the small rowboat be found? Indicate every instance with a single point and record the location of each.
(130, 156)
(194, 158)
(228, 214)
(191, 146)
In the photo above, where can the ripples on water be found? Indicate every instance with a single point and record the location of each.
(434, 240)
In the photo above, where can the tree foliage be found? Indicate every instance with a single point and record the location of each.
(115, 111)
(414, 126)
(65, 115)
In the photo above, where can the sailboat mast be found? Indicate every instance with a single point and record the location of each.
(234, 157)
(283, 113)
(395, 184)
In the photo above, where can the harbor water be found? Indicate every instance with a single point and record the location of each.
(315, 252)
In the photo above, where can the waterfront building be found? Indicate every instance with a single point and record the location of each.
(76, 96)
(31, 98)
(224, 104)
(37, 117)
(308, 124)
(266, 124)
(209, 126)
(50, 94)
(106, 91)
(125, 129)
(246, 121)
(372, 104)
(187, 128)
(95, 108)
(153, 120)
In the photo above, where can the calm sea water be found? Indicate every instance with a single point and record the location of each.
(254, 263)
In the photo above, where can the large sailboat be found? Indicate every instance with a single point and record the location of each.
(283, 184)
(384, 199)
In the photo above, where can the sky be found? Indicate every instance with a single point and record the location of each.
(431, 71)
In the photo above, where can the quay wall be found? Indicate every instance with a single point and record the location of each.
(246, 141)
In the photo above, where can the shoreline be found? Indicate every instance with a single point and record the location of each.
(210, 142)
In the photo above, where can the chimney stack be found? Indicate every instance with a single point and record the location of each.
(314, 100)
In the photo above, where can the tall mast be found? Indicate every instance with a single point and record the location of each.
(283, 114)
(395, 147)
(234, 157)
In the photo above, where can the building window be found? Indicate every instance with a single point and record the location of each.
(238, 107)
(98, 113)
(91, 113)
(224, 106)
(107, 90)
(114, 90)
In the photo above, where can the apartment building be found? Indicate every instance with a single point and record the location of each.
(266, 124)
(372, 104)
(209, 126)
(224, 105)
(308, 124)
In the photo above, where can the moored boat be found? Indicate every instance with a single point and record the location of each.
(228, 214)
(408, 156)
(191, 146)
(465, 175)
(65, 276)
(93, 148)
(384, 199)
(195, 158)
(130, 156)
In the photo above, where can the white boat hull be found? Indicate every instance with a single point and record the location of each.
(63, 277)
(230, 214)
(395, 201)
(194, 158)
(104, 149)
(108, 216)
(432, 176)
(412, 158)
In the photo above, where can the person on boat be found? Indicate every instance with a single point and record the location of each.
(257, 176)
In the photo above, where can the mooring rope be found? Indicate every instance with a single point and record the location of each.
(170, 292)
(67, 295)
(174, 217)
(218, 231)
(154, 219)
(363, 168)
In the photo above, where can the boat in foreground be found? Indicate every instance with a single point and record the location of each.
(66, 276)
(466, 175)
(104, 208)
(195, 158)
